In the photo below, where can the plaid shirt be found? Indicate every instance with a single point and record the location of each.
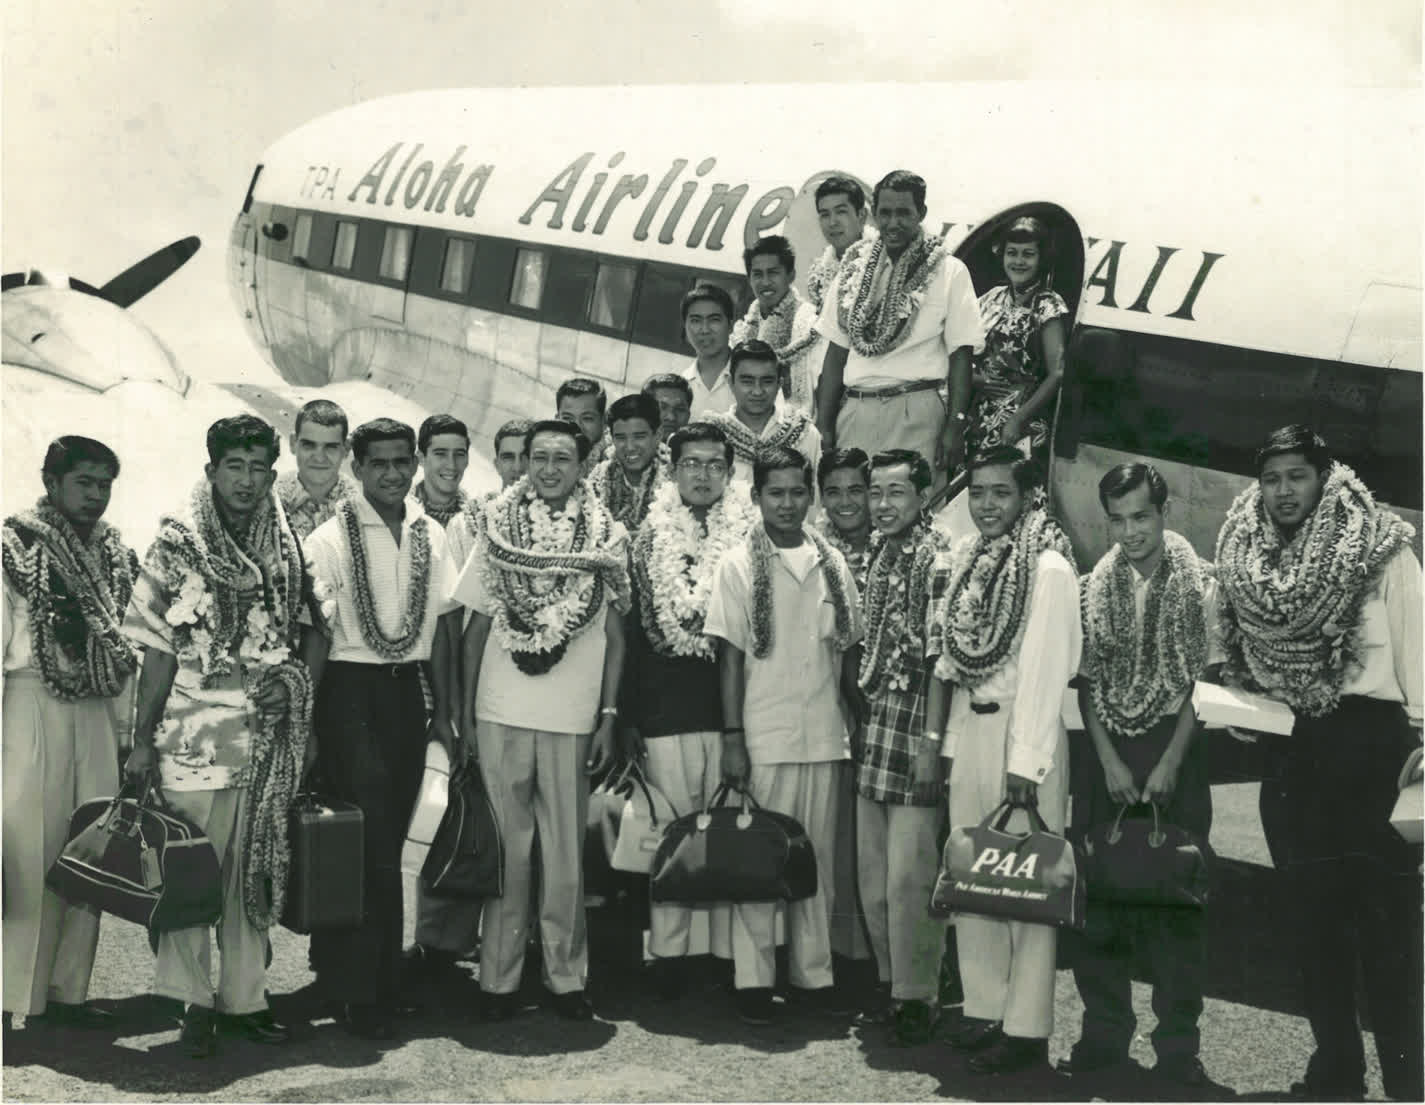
(893, 733)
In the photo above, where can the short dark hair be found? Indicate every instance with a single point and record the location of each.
(1119, 480)
(241, 431)
(515, 427)
(920, 474)
(901, 180)
(558, 426)
(1026, 228)
(633, 406)
(1024, 470)
(773, 245)
(1296, 438)
(321, 412)
(694, 433)
(753, 350)
(380, 429)
(775, 458)
(705, 290)
(834, 460)
(68, 452)
(841, 186)
(440, 424)
(579, 386)
(670, 380)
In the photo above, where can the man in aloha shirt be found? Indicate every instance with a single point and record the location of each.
(841, 213)
(900, 319)
(782, 318)
(310, 494)
(200, 692)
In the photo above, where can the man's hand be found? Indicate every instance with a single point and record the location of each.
(142, 762)
(735, 765)
(309, 756)
(271, 699)
(950, 449)
(1012, 430)
(1019, 790)
(857, 735)
(1121, 786)
(923, 765)
(443, 731)
(1163, 780)
(601, 746)
(633, 743)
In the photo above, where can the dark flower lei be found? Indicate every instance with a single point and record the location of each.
(414, 616)
(762, 554)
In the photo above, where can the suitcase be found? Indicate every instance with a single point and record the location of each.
(325, 884)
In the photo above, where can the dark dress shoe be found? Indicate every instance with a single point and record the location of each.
(198, 1036)
(669, 978)
(260, 1027)
(573, 1006)
(1090, 1060)
(1312, 1089)
(1009, 1055)
(914, 1024)
(754, 1005)
(975, 1034)
(502, 1007)
(368, 1021)
(878, 1009)
(67, 1015)
(1185, 1070)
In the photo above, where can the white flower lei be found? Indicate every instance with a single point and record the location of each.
(674, 561)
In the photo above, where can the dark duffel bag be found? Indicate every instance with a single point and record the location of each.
(1141, 861)
(137, 858)
(466, 859)
(733, 854)
(326, 879)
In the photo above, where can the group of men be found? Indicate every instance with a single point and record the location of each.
(646, 585)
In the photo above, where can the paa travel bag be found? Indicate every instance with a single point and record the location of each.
(326, 880)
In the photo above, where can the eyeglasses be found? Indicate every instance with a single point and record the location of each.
(708, 467)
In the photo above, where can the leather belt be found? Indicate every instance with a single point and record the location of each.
(985, 707)
(891, 392)
(409, 670)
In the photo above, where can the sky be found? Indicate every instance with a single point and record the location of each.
(126, 124)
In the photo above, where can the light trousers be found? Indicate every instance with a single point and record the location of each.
(806, 792)
(911, 421)
(1007, 967)
(686, 767)
(898, 860)
(57, 755)
(536, 783)
(185, 956)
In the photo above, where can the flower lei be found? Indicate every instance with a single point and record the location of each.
(627, 501)
(779, 330)
(441, 514)
(215, 611)
(1138, 675)
(546, 576)
(674, 560)
(77, 593)
(790, 426)
(819, 277)
(762, 553)
(1292, 617)
(413, 617)
(304, 513)
(894, 605)
(979, 623)
(877, 328)
(857, 560)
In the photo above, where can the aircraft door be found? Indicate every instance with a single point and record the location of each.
(246, 260)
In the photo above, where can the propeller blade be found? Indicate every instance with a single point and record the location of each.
(138, 280)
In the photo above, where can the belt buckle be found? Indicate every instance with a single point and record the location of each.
(394, 670)
(984, 707)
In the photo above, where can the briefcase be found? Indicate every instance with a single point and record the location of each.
(733, 854)
(326, 880)
(1135, 861)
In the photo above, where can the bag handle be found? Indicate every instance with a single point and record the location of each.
(998, 818)
(637, 778)
(1155, 838)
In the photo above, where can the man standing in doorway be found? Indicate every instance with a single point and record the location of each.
(707, 313)
(841, 212)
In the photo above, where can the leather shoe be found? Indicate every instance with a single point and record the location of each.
(198, 1036)
(1090, 1060)
(975, 1034)
(82, 1015)
(754, 1006)
(573, 1006)
(669, 978)
(502, 1007)
(368, 1021)
(1010, 1054)
(1310, 1089)
(1185, 1070)
(914, 1024)
(260, 1027)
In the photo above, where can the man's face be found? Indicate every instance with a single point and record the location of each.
(1291, 488)
(319, 451)
(894, 499)
(702, 472)
(843, 496)
(634, 443)
(386, 473)
(674, 410)
(841, 223)
(707, 328)
(445, 461)
(240, 480)
(754, 387)
(553, 466)
(995, 500)
(770, 280)
(82, 493)
(1136, 525)
(583, 411)
(784, 500)
(897, 218)
(510, 460)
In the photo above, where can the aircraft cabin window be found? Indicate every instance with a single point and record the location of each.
(455, 268)
(613, 295)
(396, 253)
(528, 286)
(302, 237)
(344, 249)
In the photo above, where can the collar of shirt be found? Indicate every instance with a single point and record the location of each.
(366, 513)
(724, 378)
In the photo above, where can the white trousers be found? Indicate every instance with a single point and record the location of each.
(898, 860)
(686, 767)
(806, 792)
(1007, 967)
(536, 782)
(57, 755)
(185, 956)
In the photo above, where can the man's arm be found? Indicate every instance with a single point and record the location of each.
(1163, 779)
(732, 675)
(828, 402)
(1122, 787)
(315, 648)
(445, 680)
(473, 654)
(957, 386)
(601, 749)
(854, 699)
(155, 683)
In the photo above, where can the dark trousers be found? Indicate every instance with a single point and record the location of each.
(1355, 889)
(1165, 943)
(371, 737)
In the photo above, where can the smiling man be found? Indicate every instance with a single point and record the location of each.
(841, 214)
(443, 443)
(310, 494)
(707, 314)
(627, 480)
(674, 396)
(583, 402)
(844, 476)
(754, 423)
(780, 317)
